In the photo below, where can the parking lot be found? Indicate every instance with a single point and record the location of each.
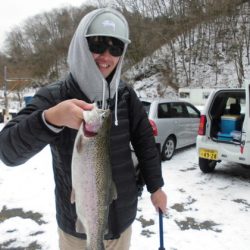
(205, 211)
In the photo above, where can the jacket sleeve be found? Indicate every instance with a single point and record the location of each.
(26, 134)
(143, 142)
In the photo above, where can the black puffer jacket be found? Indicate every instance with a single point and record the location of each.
(26, 135)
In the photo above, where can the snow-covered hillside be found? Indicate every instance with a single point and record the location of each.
(201, 58)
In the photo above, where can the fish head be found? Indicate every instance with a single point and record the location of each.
(94, 120)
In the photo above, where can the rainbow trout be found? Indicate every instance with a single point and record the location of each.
(93, 188)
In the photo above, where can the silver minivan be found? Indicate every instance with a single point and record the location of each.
(175, 124)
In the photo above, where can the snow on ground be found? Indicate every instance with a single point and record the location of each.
(205, 211)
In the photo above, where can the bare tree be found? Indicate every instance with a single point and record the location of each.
(245, 19)
(237, 48)
(41, 45)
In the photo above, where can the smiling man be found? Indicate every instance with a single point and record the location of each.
(55, 113)
(106, 52)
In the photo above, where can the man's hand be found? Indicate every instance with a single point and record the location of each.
(68, 113)
(159, 200)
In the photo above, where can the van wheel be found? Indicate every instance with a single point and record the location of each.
(207, 166)
(168, 148)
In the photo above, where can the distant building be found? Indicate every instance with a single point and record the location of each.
(197, 96)
(6, 117)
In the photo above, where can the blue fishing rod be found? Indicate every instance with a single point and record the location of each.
(161, 231)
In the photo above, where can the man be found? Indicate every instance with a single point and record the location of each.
(95, 59)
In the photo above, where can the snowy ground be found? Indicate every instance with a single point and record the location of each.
(208, 212)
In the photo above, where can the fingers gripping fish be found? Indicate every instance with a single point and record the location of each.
(92, 186)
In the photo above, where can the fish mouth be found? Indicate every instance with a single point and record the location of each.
(87, 132)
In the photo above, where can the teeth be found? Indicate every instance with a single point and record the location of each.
(103, 65)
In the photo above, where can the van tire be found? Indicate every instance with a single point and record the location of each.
(207, 166)
(168, 148)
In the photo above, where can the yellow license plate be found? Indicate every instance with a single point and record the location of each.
(208, 154)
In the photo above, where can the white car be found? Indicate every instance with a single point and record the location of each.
(175, 124)
(224, 131)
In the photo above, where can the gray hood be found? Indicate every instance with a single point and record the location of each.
(82, 65)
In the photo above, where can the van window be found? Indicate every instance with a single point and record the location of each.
(184, 95)
(192, 112)
(146, 106)
(223, 100)
(163, 111)
(235, 106)
(178, 110)
(243, 105)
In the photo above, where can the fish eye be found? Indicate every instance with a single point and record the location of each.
(103, 115)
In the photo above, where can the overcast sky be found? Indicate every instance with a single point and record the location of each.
(14, 12)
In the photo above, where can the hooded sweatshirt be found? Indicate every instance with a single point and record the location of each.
(83, 67)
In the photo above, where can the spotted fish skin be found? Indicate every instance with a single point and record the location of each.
(93, 188)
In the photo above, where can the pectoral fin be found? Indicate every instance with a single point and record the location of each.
(79, 227)
(79, 144)
(113, 192)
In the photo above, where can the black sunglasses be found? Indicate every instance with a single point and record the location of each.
(99, 44)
